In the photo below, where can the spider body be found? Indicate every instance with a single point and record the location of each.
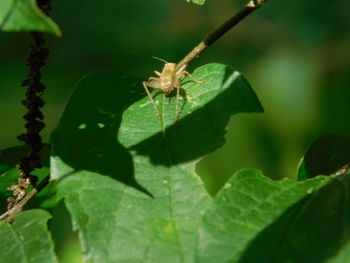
(166, 81)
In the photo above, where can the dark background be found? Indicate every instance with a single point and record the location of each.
(295, 54)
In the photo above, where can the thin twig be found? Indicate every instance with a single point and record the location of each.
(220, 31)
(9, 215)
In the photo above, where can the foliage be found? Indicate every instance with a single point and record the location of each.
(129, 183)
(27, 239)
(198, 2)
(325, 156)
(161, 157)
(24, 15)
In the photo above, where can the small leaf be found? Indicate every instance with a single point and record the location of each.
(248, 203)
(109, 127)
(24, 15)
(27, 240)
(198, 2)
(9, 173)
(10, 157)
(325, 156)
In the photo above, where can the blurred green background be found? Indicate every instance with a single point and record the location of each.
(295, 54)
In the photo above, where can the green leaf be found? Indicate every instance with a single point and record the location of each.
(119, 224)
(251, 219)
(94, 135)
(325, 156)
(10, 157)
(198, 2)
(24, 15)
(316, 229)
(27, 240)
(343, 255)
(248, 203)
(86, 136)
(109, 127)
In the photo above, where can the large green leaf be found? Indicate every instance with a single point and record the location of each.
(27, 240)
(325, 156)
(116, 222)
(119, 224)
(316, 229)
(252, 219)
(343, 255)
(255, 219)
(24, 15)
(94, 134)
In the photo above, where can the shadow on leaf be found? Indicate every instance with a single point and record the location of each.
(201, 130)
(86, 137)
(109, 118)
(325, 156)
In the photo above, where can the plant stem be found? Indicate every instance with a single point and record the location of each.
(8, 216)
(220, 31)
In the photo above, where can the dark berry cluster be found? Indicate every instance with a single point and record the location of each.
(33, 101)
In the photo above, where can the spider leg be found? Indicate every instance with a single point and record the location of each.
(192, 78)
(177, 109)
(153, 78)
(152, 101)
(180, 71)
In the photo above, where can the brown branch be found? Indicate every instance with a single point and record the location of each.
(9, 215)
(220, 31)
